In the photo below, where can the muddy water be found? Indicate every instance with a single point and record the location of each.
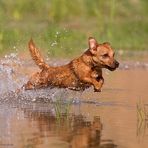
(37, 119)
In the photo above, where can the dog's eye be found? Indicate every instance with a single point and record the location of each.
(105, 55)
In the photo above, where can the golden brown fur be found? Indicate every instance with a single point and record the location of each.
(78, 74)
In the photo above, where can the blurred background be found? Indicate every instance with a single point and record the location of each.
(62, 27)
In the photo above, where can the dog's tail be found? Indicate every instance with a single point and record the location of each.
(36, 56)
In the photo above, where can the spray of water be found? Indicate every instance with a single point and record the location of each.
(12, 78)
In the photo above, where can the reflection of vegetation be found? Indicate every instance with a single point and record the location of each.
(62, 108)
(123, 23)
(142, 117)
(142, 113)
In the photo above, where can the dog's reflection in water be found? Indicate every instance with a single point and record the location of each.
(75, 130)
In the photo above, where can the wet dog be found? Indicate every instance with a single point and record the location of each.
(78, 74)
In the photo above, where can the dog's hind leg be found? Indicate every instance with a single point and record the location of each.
(28, 86)
(31, 83)
(38, 80)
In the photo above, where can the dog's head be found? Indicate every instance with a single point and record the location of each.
(102, 55)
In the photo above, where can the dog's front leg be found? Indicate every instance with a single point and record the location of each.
(96, 82)
(100, 80)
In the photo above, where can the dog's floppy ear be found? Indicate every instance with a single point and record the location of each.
(92, 45)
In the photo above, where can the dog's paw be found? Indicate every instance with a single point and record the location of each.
(97, 90)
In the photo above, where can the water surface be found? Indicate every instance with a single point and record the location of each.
(61, 118)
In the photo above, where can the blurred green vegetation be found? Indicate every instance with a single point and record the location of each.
(62, 27)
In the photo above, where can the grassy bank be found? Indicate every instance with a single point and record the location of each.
(62, 27)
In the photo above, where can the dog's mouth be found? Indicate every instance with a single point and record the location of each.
(110, 68)
(113, 66)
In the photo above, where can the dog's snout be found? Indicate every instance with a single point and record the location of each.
(115, 64)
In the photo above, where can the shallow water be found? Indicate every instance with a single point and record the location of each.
(59, 118)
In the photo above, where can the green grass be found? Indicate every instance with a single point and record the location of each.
(61, 27)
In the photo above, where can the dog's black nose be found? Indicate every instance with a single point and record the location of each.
(117, 63)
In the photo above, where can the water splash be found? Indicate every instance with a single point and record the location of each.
(12, 78)
(9, 66)
(58, 40)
